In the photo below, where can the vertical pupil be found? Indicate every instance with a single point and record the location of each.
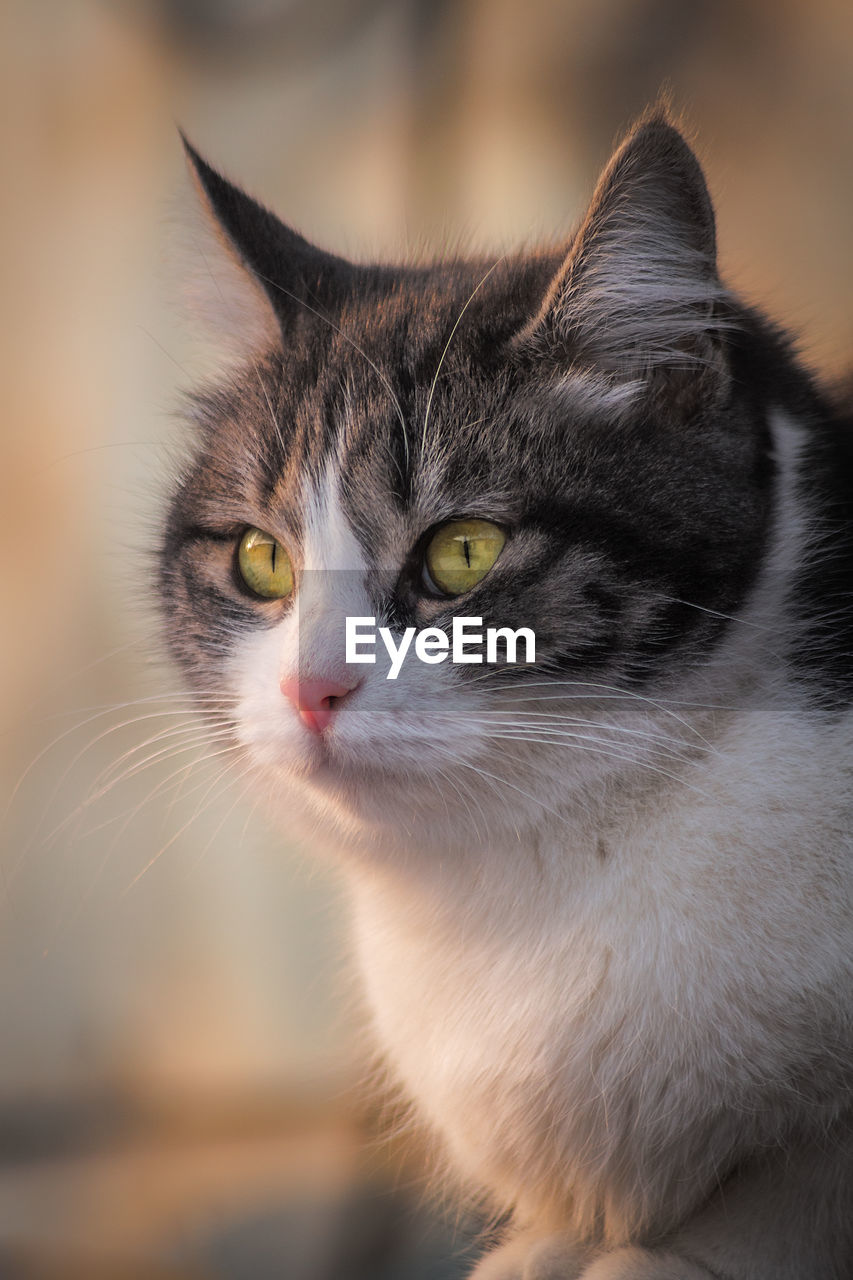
(467, 550)
(274, 549)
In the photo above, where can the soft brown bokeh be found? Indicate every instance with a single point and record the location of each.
(373, 126)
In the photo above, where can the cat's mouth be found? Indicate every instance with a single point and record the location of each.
(321, 762)
(355, 790)
(327, 765)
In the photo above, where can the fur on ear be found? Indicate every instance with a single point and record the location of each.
(639, 286)
(256, 279)
(223, 303)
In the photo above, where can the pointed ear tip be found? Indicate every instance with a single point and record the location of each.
(659, 122)
(659, 141)
(196, 160)
(189, 150)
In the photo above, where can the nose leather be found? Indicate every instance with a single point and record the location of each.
(315, 700)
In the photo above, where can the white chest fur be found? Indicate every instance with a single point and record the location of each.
(598, 1030)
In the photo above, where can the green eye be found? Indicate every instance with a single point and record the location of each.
(461, 553)
(265, 565)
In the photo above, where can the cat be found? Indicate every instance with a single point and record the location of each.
(602, 899)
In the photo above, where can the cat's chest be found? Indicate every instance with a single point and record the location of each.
(481, 1014)
(581, 1021)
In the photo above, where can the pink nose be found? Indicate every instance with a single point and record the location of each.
(315, 700)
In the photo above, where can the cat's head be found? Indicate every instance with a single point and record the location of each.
(552, 440)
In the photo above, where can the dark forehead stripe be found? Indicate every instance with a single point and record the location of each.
(353, 383)
(436, 344)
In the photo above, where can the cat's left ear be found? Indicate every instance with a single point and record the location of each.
(259, 279)
(639, 287)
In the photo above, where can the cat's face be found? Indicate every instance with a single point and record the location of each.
(579, 410)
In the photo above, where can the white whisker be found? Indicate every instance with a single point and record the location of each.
(158, 855)
(434, 382)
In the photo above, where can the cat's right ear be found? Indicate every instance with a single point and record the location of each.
(256, 279)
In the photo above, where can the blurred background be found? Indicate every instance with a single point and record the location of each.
(179, 1054)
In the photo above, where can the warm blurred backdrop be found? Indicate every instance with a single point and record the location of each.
(178, 1048)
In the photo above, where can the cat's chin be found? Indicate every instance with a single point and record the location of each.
(316, 770)
(354, 783)
(361, 797)
(352, 804)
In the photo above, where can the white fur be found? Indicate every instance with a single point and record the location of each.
(645, 299)
(587, 390)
